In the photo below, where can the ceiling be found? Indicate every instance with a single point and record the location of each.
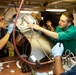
(39, 4)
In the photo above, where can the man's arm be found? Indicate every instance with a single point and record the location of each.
(57, 51)
(49, 33)
(58, 66)
(45, 31)
(4, 40)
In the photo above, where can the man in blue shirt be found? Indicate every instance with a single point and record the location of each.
(57, 52)
(4, 35)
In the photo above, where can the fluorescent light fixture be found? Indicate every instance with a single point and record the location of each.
(23, 11)
(56, 10)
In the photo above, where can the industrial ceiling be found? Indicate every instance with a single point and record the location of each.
(40, 4)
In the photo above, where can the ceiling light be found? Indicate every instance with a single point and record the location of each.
(56, 10)
(23, 11)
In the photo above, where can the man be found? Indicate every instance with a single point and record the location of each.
(57, 52)
(4, 36)
(49, 25)
(65, 32)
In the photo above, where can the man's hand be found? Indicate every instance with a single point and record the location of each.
(58, 49)
(10, 28)
(34, 26)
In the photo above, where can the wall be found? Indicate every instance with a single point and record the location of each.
(9, 13)
(74, 18)
(2, 11)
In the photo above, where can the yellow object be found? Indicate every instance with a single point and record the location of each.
(11, 51)
(10, 48)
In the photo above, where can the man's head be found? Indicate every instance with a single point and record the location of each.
(13, 17)
(2, 22)
(66, 20)
(48, 23)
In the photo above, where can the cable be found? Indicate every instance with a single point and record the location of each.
(40, 45)
(14, 5)
(6, 11)
(9, 8)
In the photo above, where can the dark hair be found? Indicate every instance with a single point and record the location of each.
(48, 20)
(14, 16)
(69, 16)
